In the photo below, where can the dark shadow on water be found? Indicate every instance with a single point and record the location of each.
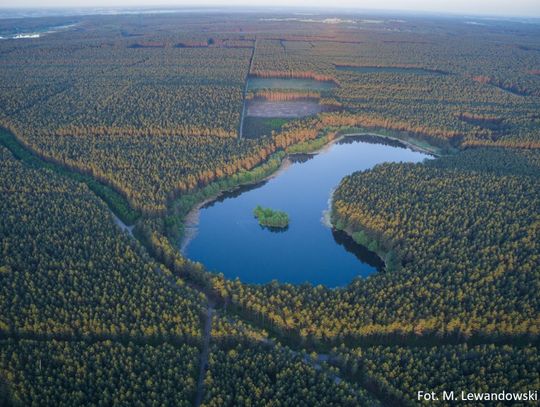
(361, 252)
(372, 139)
(274, 229)
(301, 158)
(234, 193)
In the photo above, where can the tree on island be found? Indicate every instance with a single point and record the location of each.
(270, 218)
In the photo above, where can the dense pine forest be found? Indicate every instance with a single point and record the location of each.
(128, 105)
(115, 127)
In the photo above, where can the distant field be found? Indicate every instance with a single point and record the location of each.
(284, 109)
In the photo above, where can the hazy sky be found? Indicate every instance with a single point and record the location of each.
(530, 8)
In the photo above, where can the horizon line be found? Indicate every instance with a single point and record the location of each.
(337, 8)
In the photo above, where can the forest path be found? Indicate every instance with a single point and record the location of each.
(241, 131)
(204, 353)
(121, 224)
(318, 362)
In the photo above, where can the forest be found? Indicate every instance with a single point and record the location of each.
(123, 118)
(270, 217)
(85, 278)
(399, 372)
(129, 116)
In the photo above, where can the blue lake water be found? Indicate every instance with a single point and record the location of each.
(230, 240)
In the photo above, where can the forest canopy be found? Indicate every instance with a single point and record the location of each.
(271, 218)
(143, 116)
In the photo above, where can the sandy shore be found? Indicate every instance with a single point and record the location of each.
(191, 221)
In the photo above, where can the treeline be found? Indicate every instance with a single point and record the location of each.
(397, 373)
(149, 171)
(117, 97)
(67, 270)
(288, 95)
(157, 91)
(282, 95)
(293, 74)
(259, 375)
(119, 205)
(421, 98)
(67, 373)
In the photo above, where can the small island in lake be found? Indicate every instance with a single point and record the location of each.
(270, 218)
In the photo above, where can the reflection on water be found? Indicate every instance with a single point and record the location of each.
(362, 253)
(275, 229)
(233, 193)
(301, 158)
(372, 139)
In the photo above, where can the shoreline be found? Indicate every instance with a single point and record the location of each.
(407, 144)
(326, 220)
(190, 221)
(381, 253)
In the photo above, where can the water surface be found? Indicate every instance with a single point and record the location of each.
(230, 240)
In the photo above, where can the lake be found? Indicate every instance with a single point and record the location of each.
(229, 240)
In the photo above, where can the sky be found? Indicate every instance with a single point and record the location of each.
(523, 8)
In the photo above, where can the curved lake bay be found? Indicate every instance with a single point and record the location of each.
(229, 240)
